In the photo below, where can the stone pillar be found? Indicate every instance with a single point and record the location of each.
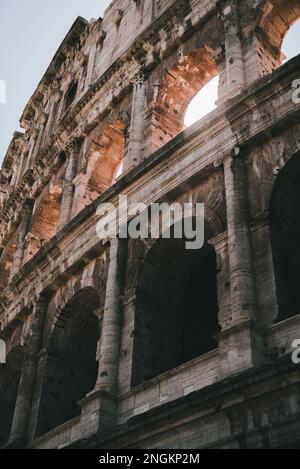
(19, 429)
(233, 47)
(127, 341)
(68, 188)
(242, 283)
(80, 185)
(103, 400)
(111, 325)
(21, 245)
(136, 136)
(242, 342)
(56, 98)
(90, 66)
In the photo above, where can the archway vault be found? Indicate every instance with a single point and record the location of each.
(71, 367)
(179, 85)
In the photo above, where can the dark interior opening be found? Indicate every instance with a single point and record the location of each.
(71, 94)
(285, 236)
(10, 374)
(71, 369)
(177, 309)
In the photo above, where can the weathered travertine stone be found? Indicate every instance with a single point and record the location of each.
(21, 245)
(19, 429)
(68, 188)
(242, 283)
(136, 133)
(141, 342)
(111, 325)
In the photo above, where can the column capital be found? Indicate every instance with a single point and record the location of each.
(140, 77)
(81, 178)
(229, 156)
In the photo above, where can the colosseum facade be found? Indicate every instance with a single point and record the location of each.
(141, 343)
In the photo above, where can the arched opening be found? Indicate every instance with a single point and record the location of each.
(291, 43)
(177, 309)
(6, 261)
(71, 95)
(203, 103)
(276, 19)
(178, 88)
(10, 374)
(285, 235)
(105, 160)
(71, 369)
(44, 221)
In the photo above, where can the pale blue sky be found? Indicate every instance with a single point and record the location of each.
(30, 33)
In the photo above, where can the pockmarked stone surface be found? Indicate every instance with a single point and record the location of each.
(142, 343)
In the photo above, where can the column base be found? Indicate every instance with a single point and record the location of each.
(98, 413)
(241, 347)
(15, 444)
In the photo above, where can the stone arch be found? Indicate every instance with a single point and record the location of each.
(101, 163)
(45, 218)
(285, 237)
(171, 326)
(180, 83)
(71, 367)
(10, 374)
(275, 19)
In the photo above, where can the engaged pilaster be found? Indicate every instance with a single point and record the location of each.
(233, 47)
(136, 134)
(111, 326)
(19, 429)
(104, 398)
(21, 245)
(68, 188)
(242, 343)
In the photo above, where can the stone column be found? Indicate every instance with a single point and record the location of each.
(68, 187)
(242, 283)
(80, 185)
(241, 341)
(103, 400)
(56, 98)
(233, 47)
(90, 66)
(19, 429)
(136, 135)
(111, 325)
(21, 244)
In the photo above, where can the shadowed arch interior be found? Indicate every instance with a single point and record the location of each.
(177, 310)
(9, 382)
(285, 235)
(71, 368)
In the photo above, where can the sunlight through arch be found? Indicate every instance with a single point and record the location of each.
(203, 103)
(291, 43)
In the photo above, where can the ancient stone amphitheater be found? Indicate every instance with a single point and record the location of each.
(143, 344)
